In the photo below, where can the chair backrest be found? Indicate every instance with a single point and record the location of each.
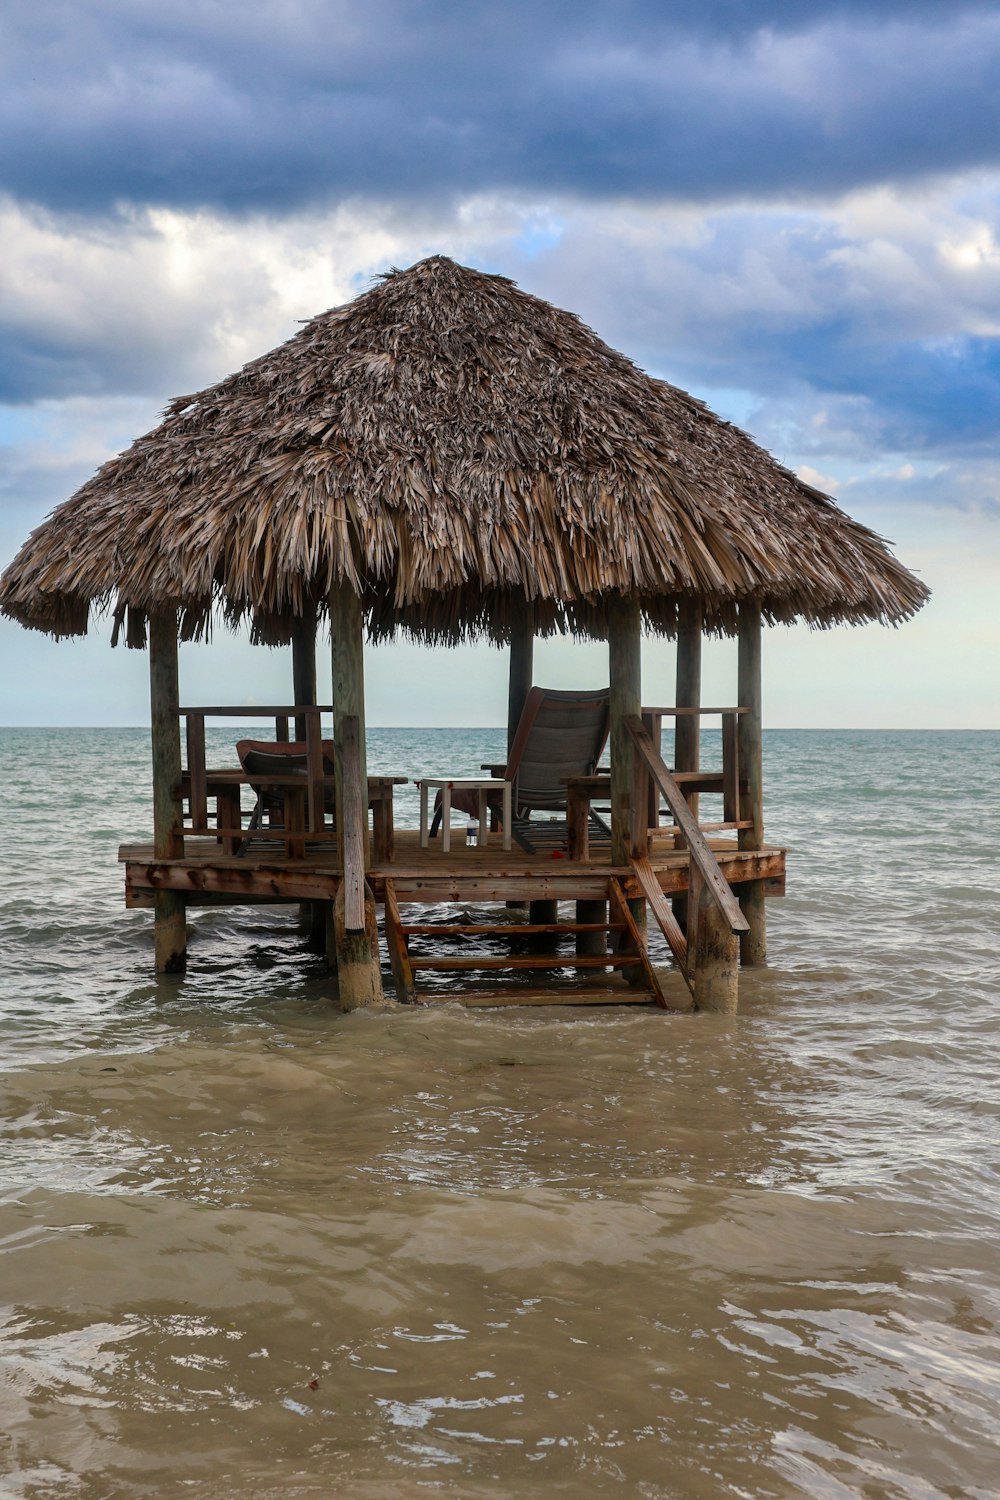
(560, 733)
(279, 757)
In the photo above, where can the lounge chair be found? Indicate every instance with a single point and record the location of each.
(561, 733)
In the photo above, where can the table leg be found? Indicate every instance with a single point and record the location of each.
(383, 830)
(446, 818)
(507, 814)
(227, 817)
(578, 823)
(295, 823)
(484, 821)
(424, 832)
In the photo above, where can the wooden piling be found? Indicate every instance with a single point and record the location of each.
(753, 944)
(303, 664)
(687, 727)
(625, 684)
(713, 951)
(522, 650)
(356, 935)
(169, 923)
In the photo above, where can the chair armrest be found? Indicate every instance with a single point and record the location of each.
(498, 772)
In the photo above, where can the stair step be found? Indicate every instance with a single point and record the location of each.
(513, 929)
(527, 961)
(474, 999)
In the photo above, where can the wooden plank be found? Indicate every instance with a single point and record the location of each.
(257, 711)
(660, 907)
(513, 929)
(636, 938)
(699, 852)
(679, 712)
(399, 953)
(446, 963)
(483, 999)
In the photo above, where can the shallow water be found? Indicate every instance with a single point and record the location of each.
(255, 1248)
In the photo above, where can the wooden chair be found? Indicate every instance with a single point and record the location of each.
(561, 733)
(261, 759)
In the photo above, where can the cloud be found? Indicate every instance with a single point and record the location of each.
(260, 107)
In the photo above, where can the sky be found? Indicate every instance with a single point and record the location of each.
(791, 209)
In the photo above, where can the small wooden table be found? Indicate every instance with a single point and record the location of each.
(482, 785)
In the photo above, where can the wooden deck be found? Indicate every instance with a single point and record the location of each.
(205, 875)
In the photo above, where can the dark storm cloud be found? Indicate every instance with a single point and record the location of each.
(270, 106)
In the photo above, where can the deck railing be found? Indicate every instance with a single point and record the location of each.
(693, 780)
(224, 784)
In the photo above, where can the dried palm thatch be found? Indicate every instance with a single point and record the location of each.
(453, 448)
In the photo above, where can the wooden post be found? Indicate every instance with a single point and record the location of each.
(170, 934)
(713, 951)
(625, 681)
(303, 664)
(753, 944)
(359, 976)
(687, 735)
(625, 675)
(522, 652)
(522, 649)
(687, 727)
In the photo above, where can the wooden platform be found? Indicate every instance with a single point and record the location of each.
(206, 876)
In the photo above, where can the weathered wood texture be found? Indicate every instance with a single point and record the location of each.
(753, 943)
(625, 673)
(713, 951)
(701, 854)
(687, 727)
(358, 971)
(359, 978)
(396, 938)
(522, 650)
(170, 932)
(304, 666)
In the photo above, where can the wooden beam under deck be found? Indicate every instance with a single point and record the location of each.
(207, 876)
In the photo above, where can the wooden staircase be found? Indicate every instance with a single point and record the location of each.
(621, 974)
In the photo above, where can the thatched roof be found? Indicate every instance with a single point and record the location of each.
(450, 445)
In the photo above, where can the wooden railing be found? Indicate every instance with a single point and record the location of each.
(307, 799)
(688, 830)
(197, 781)
(728, 780)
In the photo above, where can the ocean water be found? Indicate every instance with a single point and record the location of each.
(254, 1248)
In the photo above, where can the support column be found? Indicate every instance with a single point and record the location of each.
(522, 650)
(753, 944)
(311, 913)
(625, 680)
(359, 976)
(169, 926)
(687, 694)
(522, 653)
(304, 664)
(625, 675)
(687, 740)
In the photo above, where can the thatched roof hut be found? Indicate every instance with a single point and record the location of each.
(452, 447)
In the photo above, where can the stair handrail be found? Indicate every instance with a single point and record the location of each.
(699, 850)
